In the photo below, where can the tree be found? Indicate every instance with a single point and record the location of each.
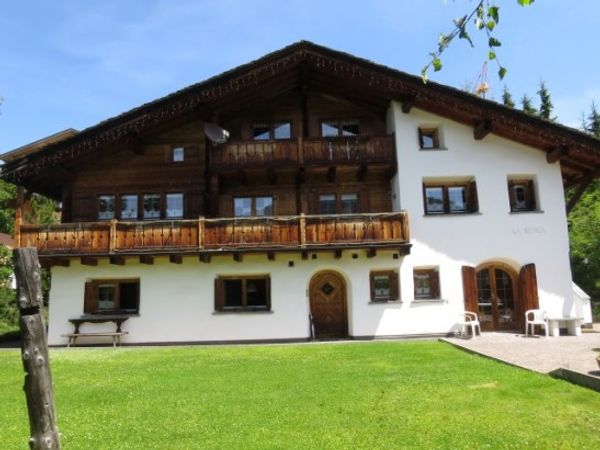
(484, 18)
(592, 124)
(507, 99)
(527, 105)
(7, 211)
(546, 105)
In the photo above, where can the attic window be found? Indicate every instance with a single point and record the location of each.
(450, 197)
(340, 128)
(269, 131)
(177, 154)
(429, 138)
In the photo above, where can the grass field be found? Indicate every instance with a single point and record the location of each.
(357, 395)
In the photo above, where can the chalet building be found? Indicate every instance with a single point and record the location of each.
(309, 192)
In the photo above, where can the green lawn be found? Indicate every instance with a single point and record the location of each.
(359, 395)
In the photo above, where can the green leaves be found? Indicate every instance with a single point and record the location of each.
(491, 55)
(493, 42)
(437, 64)
(493, 13)
(502, 72)
(525, 2)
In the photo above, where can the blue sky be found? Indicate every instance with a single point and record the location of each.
(74, 63)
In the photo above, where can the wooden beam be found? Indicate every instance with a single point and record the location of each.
(371, 253)
(271, 256)
(407, 103)
(482, 128)
(175, 259)
(558, 153)
(62, 262)
(204, 257)
(243, 177)
(403, 251)
(362, 172)
(237, 256)
(331, 174)
(337, 253)
(89, 261)
(272, 175)
(117, 260)
(583, 185)
(146, 259)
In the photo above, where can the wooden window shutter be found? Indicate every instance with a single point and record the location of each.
(394, 286)
(469, 279)
(511, 195)
(90, 297)
(434, 280)
(528, 291)
(472, 197)
(268, 282)
(372, 285)
(531, 206)
(219, 301)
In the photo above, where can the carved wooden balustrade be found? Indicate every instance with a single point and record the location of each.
(218, 235)
(304, 151)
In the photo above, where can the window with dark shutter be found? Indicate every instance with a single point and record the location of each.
(385, 286)
(249, 293)
(427, 284)
(121, 296)
(521, 194)
(456, 197)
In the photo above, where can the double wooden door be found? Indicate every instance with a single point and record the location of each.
(327, 294)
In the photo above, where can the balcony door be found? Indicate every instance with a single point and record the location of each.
(328, 305)
(497, 297)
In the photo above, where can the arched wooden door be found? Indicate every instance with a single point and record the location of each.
(327, 294)
(497, 297)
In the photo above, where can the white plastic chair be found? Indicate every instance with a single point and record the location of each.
(538, 317)
(469, 319)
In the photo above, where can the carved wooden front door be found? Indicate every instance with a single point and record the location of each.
(328, 305)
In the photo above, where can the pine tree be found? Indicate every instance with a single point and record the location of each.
(592, 124)
(527, 106)
(507, 98)
(546, 105)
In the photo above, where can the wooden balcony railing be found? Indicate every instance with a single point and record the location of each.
(221, 234)
(307, 151)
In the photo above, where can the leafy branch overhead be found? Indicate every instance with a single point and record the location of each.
(484, 18)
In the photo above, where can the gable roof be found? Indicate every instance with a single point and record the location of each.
(304, 64)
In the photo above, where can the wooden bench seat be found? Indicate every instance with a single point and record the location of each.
(116, 336)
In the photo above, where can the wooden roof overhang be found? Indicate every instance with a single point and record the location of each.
(303, 67)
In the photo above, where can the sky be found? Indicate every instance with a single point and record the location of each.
(72, 63)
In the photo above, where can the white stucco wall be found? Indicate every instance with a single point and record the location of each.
(177, 300)
(494, 234)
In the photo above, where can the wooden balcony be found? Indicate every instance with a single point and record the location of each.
(221, 235)
(304, 152)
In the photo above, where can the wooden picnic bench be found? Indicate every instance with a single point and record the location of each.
(115, 335)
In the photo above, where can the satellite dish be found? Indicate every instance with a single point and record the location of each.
(215, 133)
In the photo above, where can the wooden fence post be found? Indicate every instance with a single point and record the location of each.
(34, 352)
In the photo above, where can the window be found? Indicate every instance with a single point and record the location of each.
(112, 296)
(521, 194)
(251, 293)
(252, 206)
(427, 284)
(338, 203)
(429, 138)
(340, 128)
(384, 286)
(450, 198)
(152, 206)
(177, 154)
(272, 131)
(174, 206)
(129, 207)
(106, 207)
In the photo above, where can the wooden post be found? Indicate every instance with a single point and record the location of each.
(302, 230)
(112, 236)
(34, 352)
(19, 215)
(201, 227)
